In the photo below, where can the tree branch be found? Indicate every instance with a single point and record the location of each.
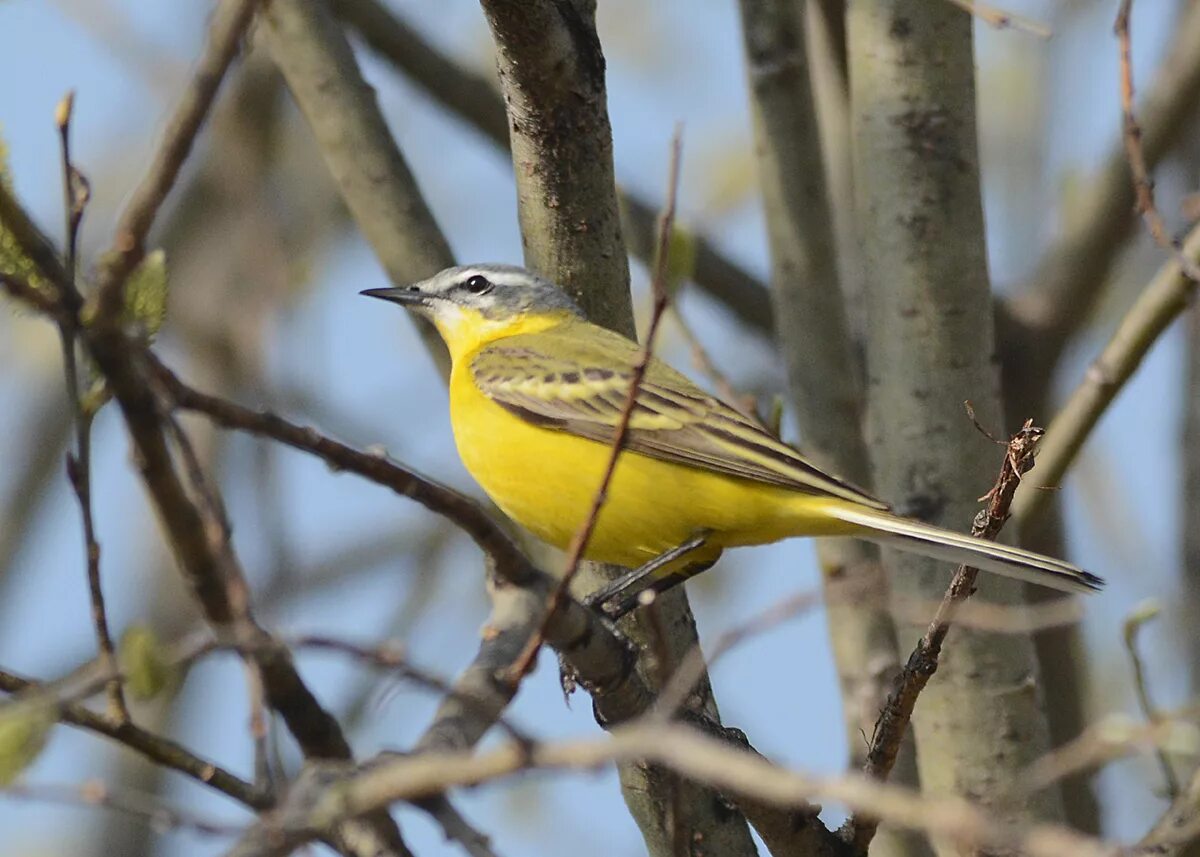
(194, 526)
(229, 24)
(601, 660)
(367, 166)
(199, 542)
(1071, 276)
(923, 662)
(637, 372)
(694, 755)
(1135, 153)
(76, 194)
(155, 748)
(473, 98)
(552, 75)
(1161, 302)
(822, 368)
(929, 348)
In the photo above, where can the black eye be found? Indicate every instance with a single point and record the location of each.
(478, 285)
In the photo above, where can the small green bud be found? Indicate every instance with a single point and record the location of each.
(24, 728)
(142, 657)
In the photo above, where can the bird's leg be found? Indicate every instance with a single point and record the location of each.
(621, 595)
(621, 603)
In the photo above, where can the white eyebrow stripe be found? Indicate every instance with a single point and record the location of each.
(506, 278)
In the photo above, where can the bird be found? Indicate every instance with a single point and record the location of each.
(536, 394)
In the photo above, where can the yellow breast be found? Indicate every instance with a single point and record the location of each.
(546, 480)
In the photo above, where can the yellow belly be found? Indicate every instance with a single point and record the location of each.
(546, 481)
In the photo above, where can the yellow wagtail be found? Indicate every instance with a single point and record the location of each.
(536, 392)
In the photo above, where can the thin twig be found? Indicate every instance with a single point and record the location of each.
(1113, 737)
(1131, 135)
(1003, 20)
(76, 190)
(583, 535)
(229, 24)
(239, 600)
(1072, 276)
(383, 656)
(860, 828)
(697, 757)
(1133, 624)
(208, 562)
(703, 361)
(375, 467)
(602, 660)
(76, 194)
(1160, 303)
(693, 665)
(142, 807)
(581, 634)
(155, 748)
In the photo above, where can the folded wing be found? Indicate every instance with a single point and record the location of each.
(563, 381)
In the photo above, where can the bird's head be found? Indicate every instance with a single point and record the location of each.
(471, 304)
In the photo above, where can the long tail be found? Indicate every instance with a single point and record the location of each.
(908, 535)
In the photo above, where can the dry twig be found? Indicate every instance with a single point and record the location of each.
(638, 371)
(602, 661)
(1133, 624)
(192, 523)
(155, 748)
(229, 24)
(1071, 276)
(76, 194)
(1131, 135)
(860, 828)
(695, 756)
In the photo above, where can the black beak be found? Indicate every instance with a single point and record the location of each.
(405, 295)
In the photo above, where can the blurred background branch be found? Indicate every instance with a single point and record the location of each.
(930, 348)
(261, 228)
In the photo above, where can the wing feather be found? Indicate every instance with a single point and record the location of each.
(566, 382)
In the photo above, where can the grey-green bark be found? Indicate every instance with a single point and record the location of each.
(552, 72)
(825, 27)
(823, 375)
(552, 75)
(930, 347)
(1190, 525)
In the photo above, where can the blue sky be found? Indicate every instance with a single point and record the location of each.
(673, 61)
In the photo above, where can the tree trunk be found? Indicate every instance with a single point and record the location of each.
(930, 347)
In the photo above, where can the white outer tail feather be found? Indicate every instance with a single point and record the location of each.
(915, 537)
